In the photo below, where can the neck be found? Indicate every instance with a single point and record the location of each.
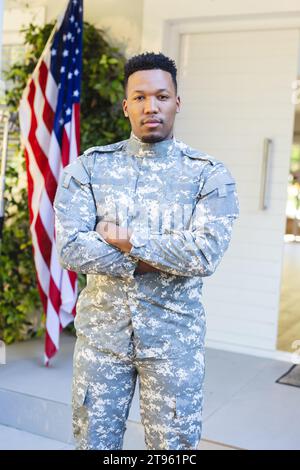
(135, 146)
(169, 137)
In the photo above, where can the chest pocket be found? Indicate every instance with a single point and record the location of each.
(113, 200)
(178, 203)
(180, 184)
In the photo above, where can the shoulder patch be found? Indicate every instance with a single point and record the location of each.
(75, 170)
(224, 182)
(196, 154)
(105, 148)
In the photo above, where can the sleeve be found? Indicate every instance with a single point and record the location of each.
(198, 250)
(80, 248)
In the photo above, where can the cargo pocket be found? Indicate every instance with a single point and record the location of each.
(182, 406)
(188, 406)
(80, 414)
(80, 391)
(188, 420)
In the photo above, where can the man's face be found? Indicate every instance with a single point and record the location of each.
(151, 104)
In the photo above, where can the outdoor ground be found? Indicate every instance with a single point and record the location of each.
(244, 407)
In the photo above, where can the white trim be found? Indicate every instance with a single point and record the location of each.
(173, 29)
(251, 351)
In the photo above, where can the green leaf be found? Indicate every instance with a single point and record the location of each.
(102, 122)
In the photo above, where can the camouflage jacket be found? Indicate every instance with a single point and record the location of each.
(180, 205)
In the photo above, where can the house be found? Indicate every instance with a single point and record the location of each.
(238, 66)
(238, 63)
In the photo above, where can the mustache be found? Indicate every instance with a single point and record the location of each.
(152, 119)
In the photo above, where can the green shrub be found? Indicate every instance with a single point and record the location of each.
(102, 122)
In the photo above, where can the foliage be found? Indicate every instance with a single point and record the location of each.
(102, 122)
(19, 299)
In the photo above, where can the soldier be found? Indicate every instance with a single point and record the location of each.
(146, 219)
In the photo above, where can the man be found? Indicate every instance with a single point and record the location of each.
(146, 219)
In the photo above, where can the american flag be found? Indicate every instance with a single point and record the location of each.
(49, 121)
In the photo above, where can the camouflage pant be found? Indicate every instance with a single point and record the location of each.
(170, 398)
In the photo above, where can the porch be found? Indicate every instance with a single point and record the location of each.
(244, 408)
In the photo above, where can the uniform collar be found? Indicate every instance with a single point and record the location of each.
(134, 146)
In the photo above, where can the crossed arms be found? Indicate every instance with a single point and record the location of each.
(109, 230)
(86, 247)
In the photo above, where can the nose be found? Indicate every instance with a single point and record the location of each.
(151, 106)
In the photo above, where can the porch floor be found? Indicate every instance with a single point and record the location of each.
(244, 407)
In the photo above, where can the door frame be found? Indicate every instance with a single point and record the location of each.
(172, 32)
(173, 29)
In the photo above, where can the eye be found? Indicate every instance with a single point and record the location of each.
(163, 97)
(138, 97)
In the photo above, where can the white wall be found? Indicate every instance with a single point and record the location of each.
(158, 36)
(121, 19)
(156, 12)
(16, 17)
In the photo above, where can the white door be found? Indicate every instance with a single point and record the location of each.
(236, 90)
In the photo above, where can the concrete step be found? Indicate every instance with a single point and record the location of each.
(16, 439)
(33, 398)
(37, 400)
(44, 417)
(50, 419)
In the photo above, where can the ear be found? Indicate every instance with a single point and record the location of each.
(178, 104)
(124, 105)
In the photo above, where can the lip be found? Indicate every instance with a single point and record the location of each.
(152, 123)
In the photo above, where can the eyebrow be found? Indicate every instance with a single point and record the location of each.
(157, 91)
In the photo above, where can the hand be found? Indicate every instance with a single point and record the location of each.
(115, 235)
(143, 267)
(109, 231)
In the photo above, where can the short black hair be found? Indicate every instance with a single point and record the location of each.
(149, 61)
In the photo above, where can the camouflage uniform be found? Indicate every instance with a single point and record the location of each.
(180, 205)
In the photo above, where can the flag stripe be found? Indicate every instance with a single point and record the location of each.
(30, 186)
(49, 119)
(39, 156)
(48, 113)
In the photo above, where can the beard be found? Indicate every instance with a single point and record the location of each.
(152, 139)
